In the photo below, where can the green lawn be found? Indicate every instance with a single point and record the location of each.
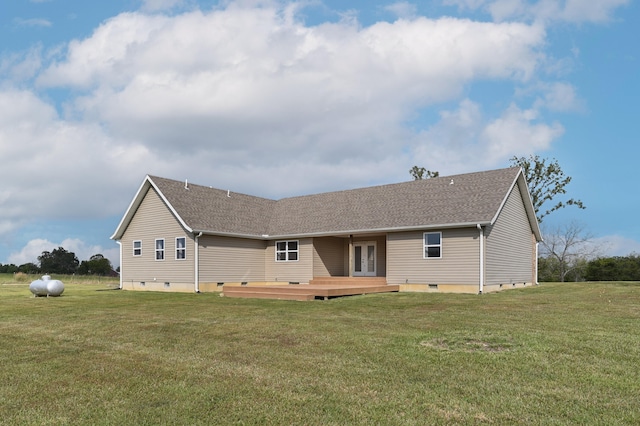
(554, 354)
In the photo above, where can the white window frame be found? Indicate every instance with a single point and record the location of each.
(139, 248)
(182, 249)
(426, 246)
(159, 251)
(287, 252)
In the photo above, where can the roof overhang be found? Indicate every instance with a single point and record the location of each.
(345, 233)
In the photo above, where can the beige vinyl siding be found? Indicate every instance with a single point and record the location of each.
(328, 256)
(153, 220)
(225, 259)
(509, 245)
(300, 271)
(459, 265)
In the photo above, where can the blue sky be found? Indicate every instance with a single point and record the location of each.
(276, 99)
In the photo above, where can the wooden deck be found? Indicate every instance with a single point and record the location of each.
(319, 288)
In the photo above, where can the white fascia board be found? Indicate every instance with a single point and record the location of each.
(147, 183)
(528, 204)
(344, 233)
(173, 211)
(381, 230)
(133, 206)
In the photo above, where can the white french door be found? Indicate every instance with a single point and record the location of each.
(364, 259)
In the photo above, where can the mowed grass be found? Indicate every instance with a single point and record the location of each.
(554, 354)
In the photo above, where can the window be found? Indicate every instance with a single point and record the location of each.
(286, 251)
(432, 245)
(137, 248)
(160, 249)
(181, 248)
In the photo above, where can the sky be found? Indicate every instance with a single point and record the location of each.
(280, 98)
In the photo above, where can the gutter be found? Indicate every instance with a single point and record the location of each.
(196, 278)
(344, 233)
(481, 281)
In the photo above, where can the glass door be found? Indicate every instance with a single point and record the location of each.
(364, 259)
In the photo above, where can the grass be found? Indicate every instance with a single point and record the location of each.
(554, 354)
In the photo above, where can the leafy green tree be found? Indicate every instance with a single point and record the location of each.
(96, 265)
(615, 268)
(548, 269)
(546, 182)
(29, 268)
(58, 261)
(9, 268)
(419, 173)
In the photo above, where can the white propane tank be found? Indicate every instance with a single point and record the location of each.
(38, 288)
(46, 287)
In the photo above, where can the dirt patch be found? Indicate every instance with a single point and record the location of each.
(469, 344)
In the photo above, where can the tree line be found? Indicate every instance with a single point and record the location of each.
(616, 268)
(61, 261)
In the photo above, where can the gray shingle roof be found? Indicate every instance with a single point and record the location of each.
(204, 208)
(445, 201)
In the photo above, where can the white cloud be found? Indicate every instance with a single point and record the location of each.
(21, 66)
(160, 5)
(402, 9)
(52, 168)
(562, 97)
(32, 22)
(617, 245)
(34, 248)
(468, 136)
(245, 97)
(254, 82)
(517, 131)
(575, 11)
(578, 10)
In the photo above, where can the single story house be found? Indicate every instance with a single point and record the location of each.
(469, 233)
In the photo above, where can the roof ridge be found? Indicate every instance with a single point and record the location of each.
(383, 185)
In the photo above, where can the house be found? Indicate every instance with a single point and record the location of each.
(468, 233)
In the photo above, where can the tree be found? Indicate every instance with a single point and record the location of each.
(29, 268)
(9, 268)
(614, 269)
(546, 181)
(565, 251)
(419, 173)
(59, 261)
(96, 265)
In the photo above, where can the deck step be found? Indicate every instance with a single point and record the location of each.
(293, 289)
(278, 295)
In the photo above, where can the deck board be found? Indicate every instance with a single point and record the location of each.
(323, 289)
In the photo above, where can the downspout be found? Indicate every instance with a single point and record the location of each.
(120, 244)
(535, 268)
(481, 257)
(197, 261)
(350, 274)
